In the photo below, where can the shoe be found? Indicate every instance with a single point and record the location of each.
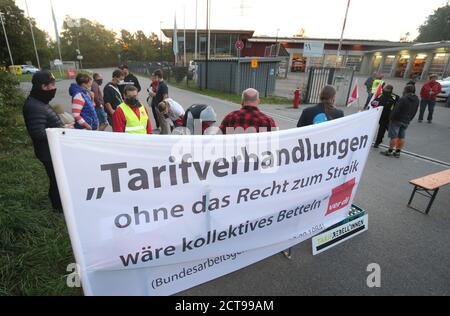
(429, 122)
(396, 154)
(387, 153)
(420, 121)
(376, 146)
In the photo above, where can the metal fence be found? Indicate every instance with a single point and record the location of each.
(236, 74)
(318, 78)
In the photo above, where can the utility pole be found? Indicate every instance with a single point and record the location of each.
(32, 35)
(7, 42)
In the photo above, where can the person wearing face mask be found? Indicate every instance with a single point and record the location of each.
(83, 106)
(388, 100)
(99, 102)
(112, 95)
(322, 112)
(131, 116)
(38, 116)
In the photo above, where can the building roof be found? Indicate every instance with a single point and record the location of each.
(247, 33)
(415, 47)
(297, 40)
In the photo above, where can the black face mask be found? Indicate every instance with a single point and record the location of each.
(44, 96)
(99, 82)
(132, 102)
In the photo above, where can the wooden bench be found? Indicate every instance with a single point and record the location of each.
(429, 186)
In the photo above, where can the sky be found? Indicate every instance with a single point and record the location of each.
(374, 20)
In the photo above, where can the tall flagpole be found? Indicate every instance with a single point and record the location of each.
(184, 37)
(342, 34)
(32, 35)
(196, 27)
(58, 41)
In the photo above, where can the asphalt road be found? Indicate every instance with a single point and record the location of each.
(412, 249)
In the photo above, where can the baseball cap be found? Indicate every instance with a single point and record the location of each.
(43, 77)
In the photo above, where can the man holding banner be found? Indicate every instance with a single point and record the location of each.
(388, 100)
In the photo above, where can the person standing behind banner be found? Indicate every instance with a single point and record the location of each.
(83, 108)
(111, 94)
(369, 84)
(322, 112)
(388, 100)
(129, 79)
(428, 98)
(131, 116)
(401, 116)
(161, 94)
(249, 117)
(39, 116)
(99, 102)
(152, 89)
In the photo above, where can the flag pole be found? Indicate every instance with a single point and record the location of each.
(32, 35)
(58, 41)
(342, 34)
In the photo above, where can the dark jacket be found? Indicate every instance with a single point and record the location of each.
(39, 116)
(316, 115)
(406, 109)
(130, 78)
(369, 84)
(388, 102)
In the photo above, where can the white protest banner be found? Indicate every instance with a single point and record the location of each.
(155, 215)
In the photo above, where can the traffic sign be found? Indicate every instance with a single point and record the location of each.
(239, 45)
(254, 64)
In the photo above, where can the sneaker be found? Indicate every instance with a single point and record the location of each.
(396, 154)
(387, 153)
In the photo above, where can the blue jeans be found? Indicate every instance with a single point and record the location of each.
(423, 105)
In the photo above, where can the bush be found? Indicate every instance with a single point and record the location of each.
(180, 73)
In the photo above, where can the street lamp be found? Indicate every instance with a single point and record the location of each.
(6, 38)
(76, 23)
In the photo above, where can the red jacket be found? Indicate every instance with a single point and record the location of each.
(430, 90)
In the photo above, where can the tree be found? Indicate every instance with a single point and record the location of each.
(436, 27)
(97, 45)
(19, 37)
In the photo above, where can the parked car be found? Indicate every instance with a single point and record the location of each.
(27, 69)
(445, 93)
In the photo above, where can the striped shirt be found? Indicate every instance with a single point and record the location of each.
(78, 103)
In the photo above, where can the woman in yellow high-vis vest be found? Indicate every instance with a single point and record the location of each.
(131, 116)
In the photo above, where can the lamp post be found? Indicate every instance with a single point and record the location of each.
(76, 23)
(6, 38)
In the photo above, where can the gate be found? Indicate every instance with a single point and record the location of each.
(319, 77)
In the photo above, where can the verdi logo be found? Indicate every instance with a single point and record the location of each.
(340, 197)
